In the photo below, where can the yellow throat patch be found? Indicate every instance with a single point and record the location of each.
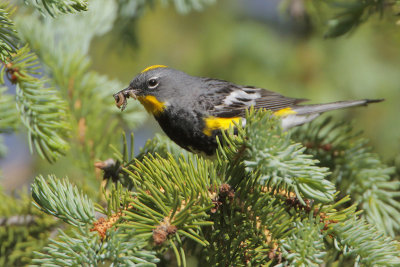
(151, 104)
(153, 67)
(214, 123)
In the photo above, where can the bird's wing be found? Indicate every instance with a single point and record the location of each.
(230, 100)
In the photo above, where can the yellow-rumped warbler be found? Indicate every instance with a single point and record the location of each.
(192, 111)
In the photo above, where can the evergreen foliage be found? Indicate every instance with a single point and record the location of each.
(21, 229)
(365, 244)
(55, 7)
(313, 196)
(87, 92)
(276, 159)
(353, 13)
(120, 249)
(42, 110)
(8, 111)
(355, 170)
(81, 247)
(242, 216)
(8, 35)
(61, 199)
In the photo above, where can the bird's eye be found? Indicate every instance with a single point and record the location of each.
(152, 83)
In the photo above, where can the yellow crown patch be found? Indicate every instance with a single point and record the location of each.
(153, 67)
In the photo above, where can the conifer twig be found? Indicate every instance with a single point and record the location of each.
(62, 200)
(56, 7)
(41, 109)
(8, 34)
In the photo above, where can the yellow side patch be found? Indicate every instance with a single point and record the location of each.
(151, 104)
(285, 112)
(153, 67)
(214, 123)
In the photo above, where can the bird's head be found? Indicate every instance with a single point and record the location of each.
(154, 87)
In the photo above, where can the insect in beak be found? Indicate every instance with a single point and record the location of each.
(122, 96)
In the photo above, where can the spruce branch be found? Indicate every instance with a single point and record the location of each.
(305, 247)
(126, 250)
(62, 200)
(85, 248)
(117, 200)
(41, 109)
(356, 171)
(112, 167)
(171, 201)
(297, 217)
(8, 34)
(87, 92)
(163, 146)
(170, 198)
(264, 149)
(23, 229)
(8, 113)
(93, 117)
(247, 227)
(252, 225)
(188, 5)
(352, 14)
(365, 243)
(56, 7)
(159, 146)
(351, 235)
(248, 223)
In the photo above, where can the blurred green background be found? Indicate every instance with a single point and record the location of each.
(259, 43)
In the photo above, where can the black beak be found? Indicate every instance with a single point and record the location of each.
(123, 95)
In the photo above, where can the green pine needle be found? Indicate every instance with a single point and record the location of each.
(265, 150)
(8, 112)
(63, 200)
(82, 248)
(8, 34)
(56, 7)
(356, 171)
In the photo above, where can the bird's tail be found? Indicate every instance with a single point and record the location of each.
(320, 108)
(306, 113)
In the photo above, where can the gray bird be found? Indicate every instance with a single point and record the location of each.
(192, 111)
